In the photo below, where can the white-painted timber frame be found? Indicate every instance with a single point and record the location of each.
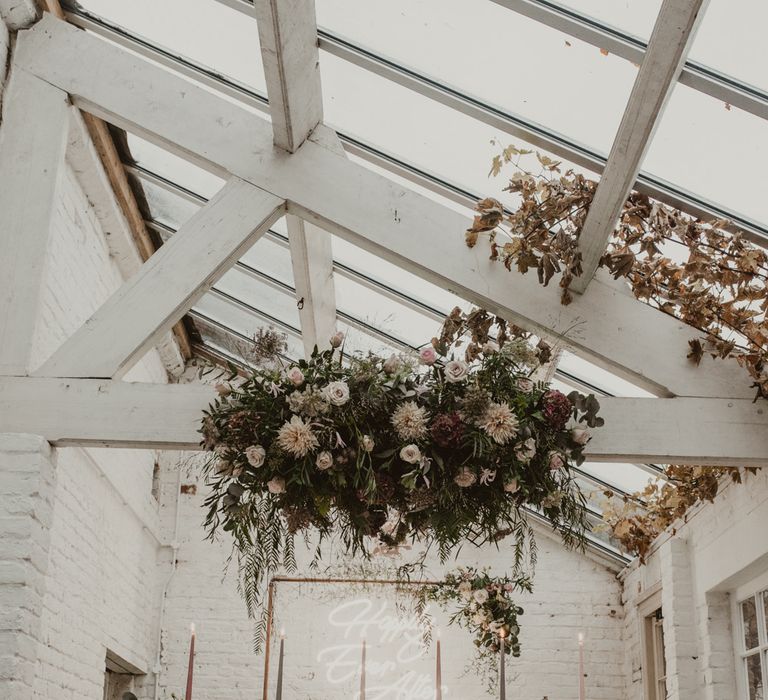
(663, 61)
(291, 60)
(706, 415)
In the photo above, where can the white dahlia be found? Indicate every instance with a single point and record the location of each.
(296, 437)
(410, 421)
(500, 422)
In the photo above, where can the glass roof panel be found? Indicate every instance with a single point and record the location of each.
(385, 314)
(185, 27)
(418, 129)
(169, 166)
(505, 59)
(166, 207)
(720, 153)
(256, 293)
(635, 17)
(731, 39)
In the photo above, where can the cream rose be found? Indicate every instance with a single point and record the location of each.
(295, 376)
(276, 485)
(337, 393)
(465, 478)
(411, 454)
(324, 460)
(427, 355)
(580, 434)
(456, 371)
(255, 454)
(526, 451)
(481, 596)
(465, 590)
(392, 364)
(367, 443)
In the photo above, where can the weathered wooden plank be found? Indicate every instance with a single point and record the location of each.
(656, 79)
(291, 60)
(130, 322)
(33, 139)
(607, 326)
(122, 414)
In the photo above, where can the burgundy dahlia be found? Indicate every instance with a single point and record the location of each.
(447, 430)
(556, 408)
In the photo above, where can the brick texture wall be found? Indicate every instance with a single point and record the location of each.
(699, 564)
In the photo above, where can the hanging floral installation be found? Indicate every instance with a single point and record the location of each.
(375, 452)
(482, 604)
(700, 272)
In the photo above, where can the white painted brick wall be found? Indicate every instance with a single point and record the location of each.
(726, 547)
(573, 593)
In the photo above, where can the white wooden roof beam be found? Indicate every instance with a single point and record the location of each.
(33, 138)
(84, 412)
(607, 326)
(291, 60)
(137, 315)
(671, 38)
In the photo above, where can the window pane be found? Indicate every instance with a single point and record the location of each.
(633, 16)
(732, 40)
(749, 620)
(495, 42)
(755, 683)
(209, 33)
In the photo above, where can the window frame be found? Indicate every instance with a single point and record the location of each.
(653, 648)
(757, 590)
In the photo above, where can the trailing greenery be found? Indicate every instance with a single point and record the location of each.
(377, 452)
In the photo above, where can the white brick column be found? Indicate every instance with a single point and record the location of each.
(27, 482)
(680, 628)
(717, 661)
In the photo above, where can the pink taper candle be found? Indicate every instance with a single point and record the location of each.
(582, 686)
(279, 691)
(191, 667)
(502, 664)
(438, 671)
(362, 674)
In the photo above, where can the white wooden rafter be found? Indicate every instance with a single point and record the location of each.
(606, 326)
(137, 315)
(85, 412)
(663, 61)
(33, 142)
(288, 39)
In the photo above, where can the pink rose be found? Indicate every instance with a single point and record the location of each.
(337, 339)
(556, 461)
(465, 478)
(255, 454)
(427, 355)
(512, 486)
(276, 485)
(295, 376)
(525, 385)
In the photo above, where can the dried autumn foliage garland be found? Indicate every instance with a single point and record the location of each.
(699, 272)
(637, 520)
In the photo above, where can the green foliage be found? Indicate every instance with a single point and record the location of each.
(380, 452)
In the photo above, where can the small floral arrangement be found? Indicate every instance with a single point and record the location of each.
(382, 450)
(484, 606)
